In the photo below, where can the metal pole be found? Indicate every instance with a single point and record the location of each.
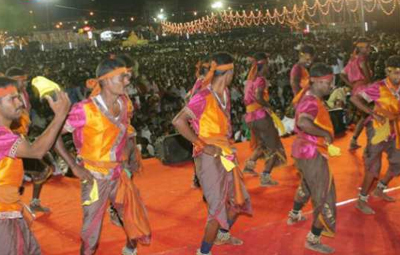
(47, 16)
(362, 17)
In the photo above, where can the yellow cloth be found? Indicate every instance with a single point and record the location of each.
(229, 165)
(278, 123)
(44, 85)
(334, 151)
(94, 194)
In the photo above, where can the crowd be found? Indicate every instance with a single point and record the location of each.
(165, 71)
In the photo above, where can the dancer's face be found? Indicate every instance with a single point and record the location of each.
(394, 76)
(11, 106)
(118, 83)
(306, 59)
(323, 86)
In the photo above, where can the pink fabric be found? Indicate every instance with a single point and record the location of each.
(372, 92)
(196, 87)
(75, 121)
(296, 71)
(250, 97)
(353, 69)
(304, 146)
(7, 140)
(197, 104)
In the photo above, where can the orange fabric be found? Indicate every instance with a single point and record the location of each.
(215, 67)
(9, 89)
(11, 176)
(22, 126)
(253, 70)
(323, 120)
(253, 107)
(136, 223)
(304, 84)
(388, 106)
(95, 85)
(100, 145)
(213, 121)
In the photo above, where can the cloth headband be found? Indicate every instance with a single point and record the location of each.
(95, 83)
(326, 77)
(253, 70)
(215, 67)
(9, 89)
(20, 77)
(362, 44)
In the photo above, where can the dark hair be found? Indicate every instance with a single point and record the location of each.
(393, 61)
(204, 70)
(320, 69)
(108, 65)
(307, 49)
(260, 56)
(5, 82)
(126, 59)
(360, 40)
(14, 71)
(222, 58)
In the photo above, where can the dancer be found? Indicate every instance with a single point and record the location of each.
(100, 128)
(39, 170)
(383, 132)
(205, 121)
(15, 235)
(314, 132)
(299, 76)
(357, 74)
(265, 138)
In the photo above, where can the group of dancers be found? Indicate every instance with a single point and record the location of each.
(107, 157)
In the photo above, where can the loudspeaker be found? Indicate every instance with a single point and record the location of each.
(173, 149)
(338, 118)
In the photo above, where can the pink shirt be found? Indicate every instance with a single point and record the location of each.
(305, 145)
(250, 97)
(353, 69)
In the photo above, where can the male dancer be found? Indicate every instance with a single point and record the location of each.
(383, 132)
(357, 74)
(299, 76)
(314, 132)
(265, 137)
(205, 121)
(38, 169)
(202, 68)
(100, 128)
(15, 236)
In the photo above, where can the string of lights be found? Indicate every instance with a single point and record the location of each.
(287, 16)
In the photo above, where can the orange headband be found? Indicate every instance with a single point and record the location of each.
(253, 70)
(362, 44)
(95, 85)
(20, 77)
(215, 67)
(326, 77)
(9, 89)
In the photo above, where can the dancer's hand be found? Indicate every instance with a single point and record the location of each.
(61, 106)
(212, 150)
(328, 138)
(379, 118)
(82, 173)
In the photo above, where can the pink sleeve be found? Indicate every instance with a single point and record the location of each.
(295, 72)
(370, 93)
(260, 83)
(8, 143)
(197, 105)
(76, 118)
(308, 106)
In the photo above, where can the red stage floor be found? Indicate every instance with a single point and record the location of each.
(177, 213)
